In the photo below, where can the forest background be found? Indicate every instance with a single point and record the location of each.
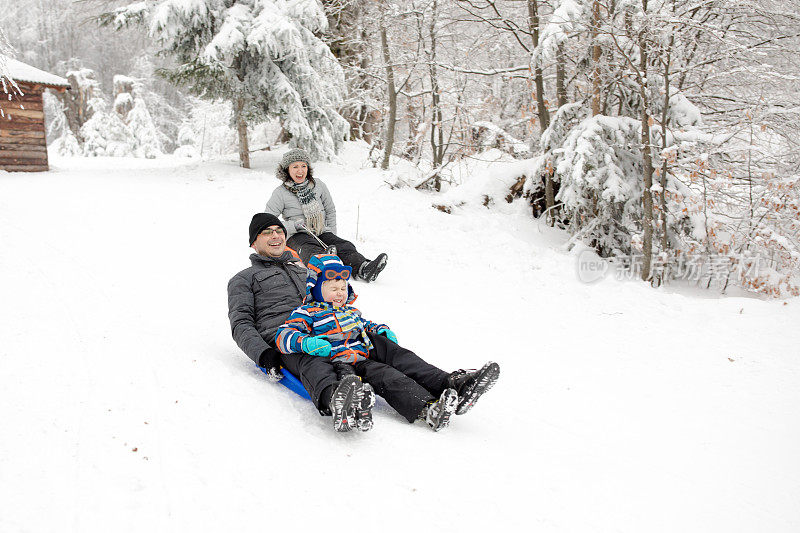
(660, 134)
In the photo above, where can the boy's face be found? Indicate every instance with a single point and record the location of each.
(334, 291)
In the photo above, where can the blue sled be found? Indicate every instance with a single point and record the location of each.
(291, 382)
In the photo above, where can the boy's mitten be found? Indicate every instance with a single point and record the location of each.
(389, 334)
(316, 346)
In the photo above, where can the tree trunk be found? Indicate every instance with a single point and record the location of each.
(437, 135)
(541, 105)
(596, 55)
(664, 162)
(561, 76)
(391, 94)
(241, 129)
(647, 160)
(533, 21)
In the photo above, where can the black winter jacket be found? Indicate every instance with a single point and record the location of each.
(261, 297)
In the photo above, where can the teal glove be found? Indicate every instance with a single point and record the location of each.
(389, 334)
(316, 346)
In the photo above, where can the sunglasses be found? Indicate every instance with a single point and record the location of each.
(270, 231)
(343, 273)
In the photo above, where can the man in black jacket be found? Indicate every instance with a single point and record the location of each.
(261, 297)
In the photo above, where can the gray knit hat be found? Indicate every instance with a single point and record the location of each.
(294, 155)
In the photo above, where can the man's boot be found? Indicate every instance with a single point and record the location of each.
(369, 270)
(437, 414)
(472, 384)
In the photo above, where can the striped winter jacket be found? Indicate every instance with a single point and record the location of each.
(342, 326)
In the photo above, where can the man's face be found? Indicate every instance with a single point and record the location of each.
(271, 242)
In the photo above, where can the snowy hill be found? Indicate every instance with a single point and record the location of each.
(126, 405)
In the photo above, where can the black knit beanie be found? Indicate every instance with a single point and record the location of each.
(261, 221)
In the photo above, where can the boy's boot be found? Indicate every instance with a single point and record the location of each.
(364, 408)
(471, 384)
(369, 270)
(437, 414)
(343, 403)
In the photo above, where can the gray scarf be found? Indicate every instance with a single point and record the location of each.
(312, 208)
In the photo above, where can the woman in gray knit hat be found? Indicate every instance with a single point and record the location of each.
(306, 207)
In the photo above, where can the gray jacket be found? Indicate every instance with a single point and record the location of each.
(261, 297)
(284, 203)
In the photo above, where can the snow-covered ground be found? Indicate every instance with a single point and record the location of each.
(126, 405)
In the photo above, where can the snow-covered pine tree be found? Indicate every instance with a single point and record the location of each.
(61, 139)
(131, 107)
(105, 134)
(263, 56)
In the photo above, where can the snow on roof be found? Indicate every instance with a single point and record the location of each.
(20, 72)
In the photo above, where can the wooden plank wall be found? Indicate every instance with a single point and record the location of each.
(23, 146)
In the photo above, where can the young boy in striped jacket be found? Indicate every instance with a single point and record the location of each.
(328, 326)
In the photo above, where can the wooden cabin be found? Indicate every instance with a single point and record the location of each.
(23, 146)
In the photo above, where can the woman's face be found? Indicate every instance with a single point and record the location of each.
(298, 171)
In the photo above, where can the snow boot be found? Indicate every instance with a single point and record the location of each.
(471, 384)
(437, 415)
(364, 408)
(343, 403)
(369, 270)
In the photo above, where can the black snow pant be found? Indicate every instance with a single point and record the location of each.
(306, 245)
(404, 394)
(319, 377)
(432, 378)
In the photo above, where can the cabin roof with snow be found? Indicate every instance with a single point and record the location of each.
(22, 72)
(23, 139)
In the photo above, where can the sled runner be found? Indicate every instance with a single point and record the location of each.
(291, 382)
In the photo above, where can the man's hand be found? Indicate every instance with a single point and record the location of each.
(389, 334)
(271, 360)
(274, 374)
(316, 346)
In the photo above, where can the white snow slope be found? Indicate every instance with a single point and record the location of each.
(126, 405)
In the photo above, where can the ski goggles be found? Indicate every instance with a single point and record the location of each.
(337, 272)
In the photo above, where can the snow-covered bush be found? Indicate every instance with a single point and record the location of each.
(487, 135)
(105, 134)
(747, 222)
